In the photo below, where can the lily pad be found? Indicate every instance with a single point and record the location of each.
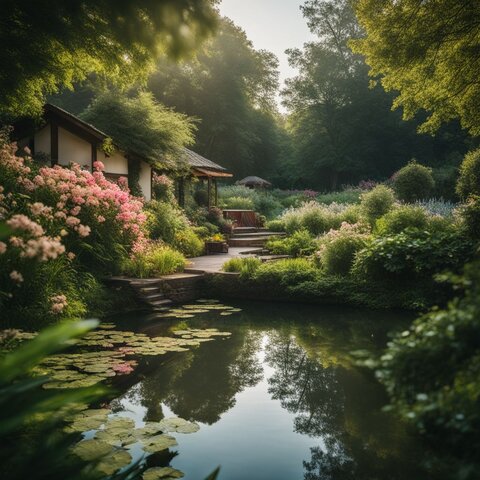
(113, 462)
(158, 443)
(90, 450)
(88, 420)
(178, 425)
(162, 473)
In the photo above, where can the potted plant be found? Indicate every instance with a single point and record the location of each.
(216, 244)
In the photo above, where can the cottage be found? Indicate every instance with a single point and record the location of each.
(65, 139)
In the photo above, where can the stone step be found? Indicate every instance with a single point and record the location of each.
(247, 242)
(160, 304)
(258, 234)
(153, 297)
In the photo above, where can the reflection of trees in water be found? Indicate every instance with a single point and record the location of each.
(340, 405)
(201, 384)
(304, 387)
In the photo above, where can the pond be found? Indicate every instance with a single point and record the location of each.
(279, 399)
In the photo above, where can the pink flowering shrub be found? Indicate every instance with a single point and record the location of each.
(63, 225)
(338, 247)
(163, 188)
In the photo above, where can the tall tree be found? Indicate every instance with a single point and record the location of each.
(49, 44)
(429, 52)
(230, 87)
(343, 130)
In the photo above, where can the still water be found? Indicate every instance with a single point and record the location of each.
(281, 399)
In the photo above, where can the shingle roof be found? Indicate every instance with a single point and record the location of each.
(74, 119)
(196, 160)
(253, 181)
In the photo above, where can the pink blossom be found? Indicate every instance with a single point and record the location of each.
(16, 276)
(100, 219)
(83, 230)
(3, 247)
(99, 166)
(22, 222)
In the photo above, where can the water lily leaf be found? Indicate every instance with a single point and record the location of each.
(89, 450)
(178, 425)
(162, 473)
(113, 462)
(150, 429)
(204, 300)
(88, 420)
(158, 443)
(226, 314)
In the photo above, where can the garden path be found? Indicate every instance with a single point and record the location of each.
(213, 263)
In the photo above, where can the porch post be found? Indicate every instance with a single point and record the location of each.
(209, 190)
(216, 191)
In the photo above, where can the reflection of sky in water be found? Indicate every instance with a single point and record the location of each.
(258, 430)
(264, 385)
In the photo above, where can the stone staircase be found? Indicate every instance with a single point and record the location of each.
(151, 293)
(159, 293)
(246, 237)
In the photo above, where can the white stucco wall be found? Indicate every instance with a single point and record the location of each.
(146, 180)
(117, 163)
(72, 149)
(42, 140)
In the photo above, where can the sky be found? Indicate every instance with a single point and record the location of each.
(273, 25)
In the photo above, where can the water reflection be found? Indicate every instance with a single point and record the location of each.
(329, 423)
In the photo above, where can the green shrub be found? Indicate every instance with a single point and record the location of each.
(157, 259)
(470, 214)
(275, 225)
(314, 217)
(401, 218)
(339, 247)
(432, 374)
(164, 220)
(201, 197)
(267, 205)
(377, 202)
(445, 178)
(300, 243)
(239, 203)
(469, 180)
(205, 231)
(413, 182)
(286, 272)
(412, 254)
(246, 266)
(188, 243)
(349, 195)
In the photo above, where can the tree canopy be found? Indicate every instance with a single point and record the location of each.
(50, 44)
(230, 87)
(142, 126)
(429, 53)
(342, 130)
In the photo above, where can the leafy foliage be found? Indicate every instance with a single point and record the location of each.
(142, 126)
(338, 248)
(156, 259)
(401, 218)
(426, 52)
(469, 180)
(31, 418)
(413, 182)
(300, 243)
(377, 202)
(286, 272)
(431, 372)
(412, 254)
(52, 44)
(231, 88)
(246, 266)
